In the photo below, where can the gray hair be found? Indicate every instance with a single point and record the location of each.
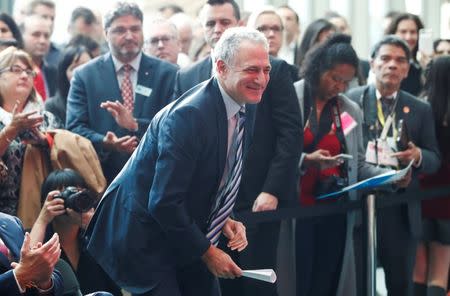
(228, 45)
(150, 27)
(122, 9)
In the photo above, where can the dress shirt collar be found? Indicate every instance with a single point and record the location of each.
(379, 96)
(231, 106)
(134, 63)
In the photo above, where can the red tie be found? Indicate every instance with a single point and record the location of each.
(39, 84)
(127, 88)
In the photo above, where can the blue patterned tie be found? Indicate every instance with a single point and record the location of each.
(226, 196)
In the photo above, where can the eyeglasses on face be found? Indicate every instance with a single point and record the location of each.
(155, 40)
(19, 70)
(266, 29)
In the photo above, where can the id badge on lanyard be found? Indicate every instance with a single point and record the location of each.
(379, 151)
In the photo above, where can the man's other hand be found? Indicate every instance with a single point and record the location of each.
(220, 264)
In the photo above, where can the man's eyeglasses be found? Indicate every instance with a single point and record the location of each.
(266, 29)
(19, 70)
(155, 40)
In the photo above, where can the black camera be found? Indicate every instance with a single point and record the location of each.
(80, 201)
(330, 184)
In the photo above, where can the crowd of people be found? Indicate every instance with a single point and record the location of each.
(126, 150)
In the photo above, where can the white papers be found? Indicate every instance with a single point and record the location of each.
(267, 275)
(379, 180)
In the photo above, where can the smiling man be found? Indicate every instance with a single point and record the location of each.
(113, 98)
(156, 229)
(269, 177)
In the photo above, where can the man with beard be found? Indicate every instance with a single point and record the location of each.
(113, 98)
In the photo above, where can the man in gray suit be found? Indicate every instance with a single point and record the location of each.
(398, 227)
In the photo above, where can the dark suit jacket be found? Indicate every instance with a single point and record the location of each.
(51, 78)
(419, 121)
(12, 234)
(277, 143)
(96, 82)
(153, 217)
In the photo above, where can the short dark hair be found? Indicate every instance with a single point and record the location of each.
(391, 40)
(122, 9)
(297, 19)
(13, 27)
(337, 50)
(437, 42)
(85, 13)
(236, 10)
(59, 179)
(175, 8)
(31, 6)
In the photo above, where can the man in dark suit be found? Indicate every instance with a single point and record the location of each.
(156, 229)
(398, 227)
(113, 98)
(32, 269)
(269, 178)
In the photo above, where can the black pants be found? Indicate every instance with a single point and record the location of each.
(319, 249)
(396, 251)
(261, 253)
(192, 280)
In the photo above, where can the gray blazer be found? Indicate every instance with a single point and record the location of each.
(358, 169)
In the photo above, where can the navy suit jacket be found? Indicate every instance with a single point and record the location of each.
(153, 217)
(272, 161)
(12, 234)
(419, 121)
(96, 82)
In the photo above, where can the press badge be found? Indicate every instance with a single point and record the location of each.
(142, 90)
(348, 123)
(380, 152)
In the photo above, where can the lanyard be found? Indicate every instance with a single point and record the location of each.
(386, 123)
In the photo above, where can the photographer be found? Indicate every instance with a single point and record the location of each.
(324, 248)
(67, 209)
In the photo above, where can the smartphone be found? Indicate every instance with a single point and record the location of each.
(426, 41)
(344, 156)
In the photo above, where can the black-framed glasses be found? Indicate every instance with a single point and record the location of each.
(164, 39)
(266, 29)
(19, 70)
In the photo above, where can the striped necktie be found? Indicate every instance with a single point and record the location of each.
(226, 197)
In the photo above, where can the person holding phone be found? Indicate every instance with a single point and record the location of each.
(22, 121)
(333, 157)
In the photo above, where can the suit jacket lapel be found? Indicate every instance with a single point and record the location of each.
(222, 128)
(144, 79)
(109, 79)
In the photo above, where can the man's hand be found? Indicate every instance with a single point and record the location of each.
(125, 144)
(404, 182)
(220, 264)
(322, 159)
(265, 202)
(412, 153)
(123, 117)
(235, 232)
(37, 263)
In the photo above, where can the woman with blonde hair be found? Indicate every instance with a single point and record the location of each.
(22, 121)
